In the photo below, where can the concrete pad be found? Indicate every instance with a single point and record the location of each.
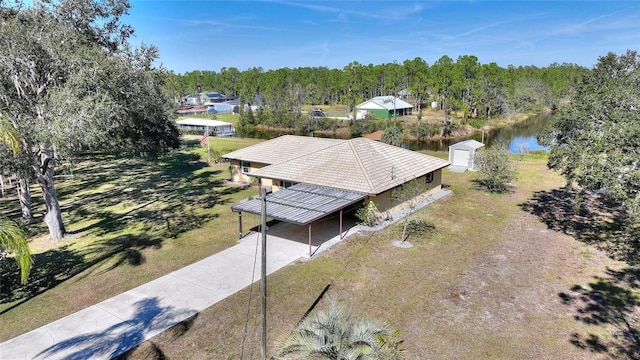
(458, 168)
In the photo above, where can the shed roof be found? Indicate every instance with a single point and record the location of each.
(360, 165)
(467, 144)
(301, 203)
(202, 122)
(384, 102)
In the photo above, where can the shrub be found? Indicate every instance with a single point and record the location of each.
(495, 169)
(368, 214)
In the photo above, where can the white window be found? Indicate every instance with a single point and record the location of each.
(246, 166)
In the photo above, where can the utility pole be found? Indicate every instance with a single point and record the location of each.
(263, 216)
(208, 147)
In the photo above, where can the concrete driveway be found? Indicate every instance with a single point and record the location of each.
(114, 326)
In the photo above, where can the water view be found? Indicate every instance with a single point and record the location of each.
(521, 137)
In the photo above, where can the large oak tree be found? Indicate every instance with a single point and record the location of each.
(594, 139)
(70, 82)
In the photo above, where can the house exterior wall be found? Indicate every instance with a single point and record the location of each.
(237, 175)
(387, 114)
(281, 184)
(385, 201)
(268, 183)
(379, 113)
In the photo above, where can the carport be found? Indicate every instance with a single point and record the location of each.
(301, 204)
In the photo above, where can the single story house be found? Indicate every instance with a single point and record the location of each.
(212, 98)
(221, 108)
(217, 127)
(205, 98)
(315, 177)
(384, 107)
(462, 155)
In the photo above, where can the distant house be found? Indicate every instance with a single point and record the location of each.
(462, 155)
(363, 166)
(192, 99)
(205, 98)
(219, 128)
(221, 108)
(212, 98)
(384, 107)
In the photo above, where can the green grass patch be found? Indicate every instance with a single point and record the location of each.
(134, 220)
(130, 220)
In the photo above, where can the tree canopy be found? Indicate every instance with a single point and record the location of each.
(70, 82)
(594, 138)
(460, 84)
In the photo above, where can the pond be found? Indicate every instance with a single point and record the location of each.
(519, 136)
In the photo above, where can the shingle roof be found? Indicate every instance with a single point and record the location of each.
(360, 165)
(281, 149)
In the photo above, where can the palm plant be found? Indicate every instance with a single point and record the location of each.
(393, 136)
(14, 240)
(9, 136)
(333, 335)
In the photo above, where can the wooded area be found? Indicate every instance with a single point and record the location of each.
(462, 84)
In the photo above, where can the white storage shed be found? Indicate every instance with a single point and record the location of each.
(462, 155)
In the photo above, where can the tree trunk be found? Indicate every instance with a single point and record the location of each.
(24, 196)
(404, 228)
(53, 217)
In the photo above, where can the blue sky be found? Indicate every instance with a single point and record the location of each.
(210, 35)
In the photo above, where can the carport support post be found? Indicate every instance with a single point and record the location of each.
(340, 224)
(239, 225)
(309, 240)
(263, 216)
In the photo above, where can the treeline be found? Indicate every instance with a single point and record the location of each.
(483, 90)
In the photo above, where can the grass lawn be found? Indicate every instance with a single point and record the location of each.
(487, 284)
(130, 220)
(492, 282)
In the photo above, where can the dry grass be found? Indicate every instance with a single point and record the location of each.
(492, 282)
(486, 285)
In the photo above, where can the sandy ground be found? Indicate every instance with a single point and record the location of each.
(572, 296)
(535, 277)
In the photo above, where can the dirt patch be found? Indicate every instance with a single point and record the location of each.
(508, 292)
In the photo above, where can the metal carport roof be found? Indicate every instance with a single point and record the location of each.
(302, 203)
